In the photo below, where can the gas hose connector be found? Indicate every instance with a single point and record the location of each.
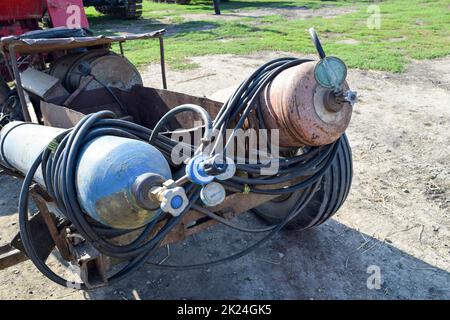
(351, 97)
(229, 167)
(202, 169)
(171, 197)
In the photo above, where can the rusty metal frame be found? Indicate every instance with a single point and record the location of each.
(10, 256)
(15, 45)
(49, 218)
(13, 253)
(94, 265)
(18, 82)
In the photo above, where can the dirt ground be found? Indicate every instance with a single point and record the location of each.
(396, 217)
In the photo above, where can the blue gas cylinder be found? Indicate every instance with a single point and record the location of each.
(107, 168)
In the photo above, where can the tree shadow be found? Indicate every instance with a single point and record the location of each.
(236, 5)
(329, 262)
(113, 26)
(174, 29)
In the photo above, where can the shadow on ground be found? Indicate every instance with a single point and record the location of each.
(172, 29)
(9, 194)
(235, 5)
(232, 5)
(330, 262)
(112, 26)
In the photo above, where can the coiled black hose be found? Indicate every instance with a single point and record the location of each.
(310, 166)
(300, 172)
(58, 167)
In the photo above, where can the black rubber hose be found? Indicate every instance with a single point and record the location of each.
(226, 222)
(59, 163)
(58, 166)
(303, 201)
(111, 92)
(25, 232)
(316, 42)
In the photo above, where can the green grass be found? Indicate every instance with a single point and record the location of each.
(410, 29)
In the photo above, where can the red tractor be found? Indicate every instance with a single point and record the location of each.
(20, 17)
(60, 18)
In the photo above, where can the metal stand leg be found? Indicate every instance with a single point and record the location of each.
(23, 102)
(216, 4)
(163, 64)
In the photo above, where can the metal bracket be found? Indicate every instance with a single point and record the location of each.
(93, 265)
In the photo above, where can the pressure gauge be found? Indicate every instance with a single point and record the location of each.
(330, 73)
(212, 194)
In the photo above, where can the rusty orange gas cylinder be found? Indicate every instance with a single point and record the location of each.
(304, 112)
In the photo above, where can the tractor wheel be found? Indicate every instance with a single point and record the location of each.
(334, 188)
(132, 11)
(106, 10)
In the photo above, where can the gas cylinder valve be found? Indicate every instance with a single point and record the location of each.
(171, 197)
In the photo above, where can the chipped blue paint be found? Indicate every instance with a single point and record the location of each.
(107, 168)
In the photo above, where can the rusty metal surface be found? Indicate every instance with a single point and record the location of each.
(145, 105)
(61, 44)
(18, 81)
(10, 256)
(233, 206)
(294, 104)
(10, 172)
(58, 116)
(93, 265)
(49, 219)
(84, 83)
(107, 67)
